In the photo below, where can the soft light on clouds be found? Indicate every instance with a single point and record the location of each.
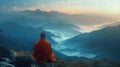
(66, 6)
(90, 28)
(78, 54)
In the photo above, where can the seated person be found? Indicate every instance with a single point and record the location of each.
(42, 50)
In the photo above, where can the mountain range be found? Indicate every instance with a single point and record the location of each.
(20, 30)
(103, 43)
(54, 22)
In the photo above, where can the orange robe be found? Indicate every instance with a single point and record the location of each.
(43, 52)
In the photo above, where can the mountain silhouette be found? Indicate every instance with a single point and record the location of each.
(23, 35)
(104, 43)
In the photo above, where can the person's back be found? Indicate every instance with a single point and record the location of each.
(43, 51)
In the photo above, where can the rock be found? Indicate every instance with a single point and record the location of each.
(75, 64)
(4, 52)
(4, 59)
(58, 65)
(23, 61)
(107, 63)
(51, 64)
(38, 65)
(5, 64)
(28, 61)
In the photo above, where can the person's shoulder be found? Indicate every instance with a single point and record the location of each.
(47, 41)
(37, 41)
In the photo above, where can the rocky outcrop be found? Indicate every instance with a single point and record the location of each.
(50, 65)
(5, 64)
(23, 61)
(6, 53)
(28, 61)
(4, 59)
(8, 58)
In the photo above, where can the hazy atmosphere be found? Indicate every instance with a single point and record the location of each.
(104, 12)
(66, 6)
(75, 28)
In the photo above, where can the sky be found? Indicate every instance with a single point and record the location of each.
(111, 7)
(66, 6)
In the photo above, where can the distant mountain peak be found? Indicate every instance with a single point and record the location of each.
(39, 11)
(32, 10)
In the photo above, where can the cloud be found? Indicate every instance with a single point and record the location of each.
(90, 28)
(60, 35)
(15, 8)
(104, 43)
(78, 54)
(67, 6)
(59, 47)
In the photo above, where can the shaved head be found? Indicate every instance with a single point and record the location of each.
(43, 35)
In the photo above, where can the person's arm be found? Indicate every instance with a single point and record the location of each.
(52, 55)
(50, 51)
(50, 48)
(36, 46)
